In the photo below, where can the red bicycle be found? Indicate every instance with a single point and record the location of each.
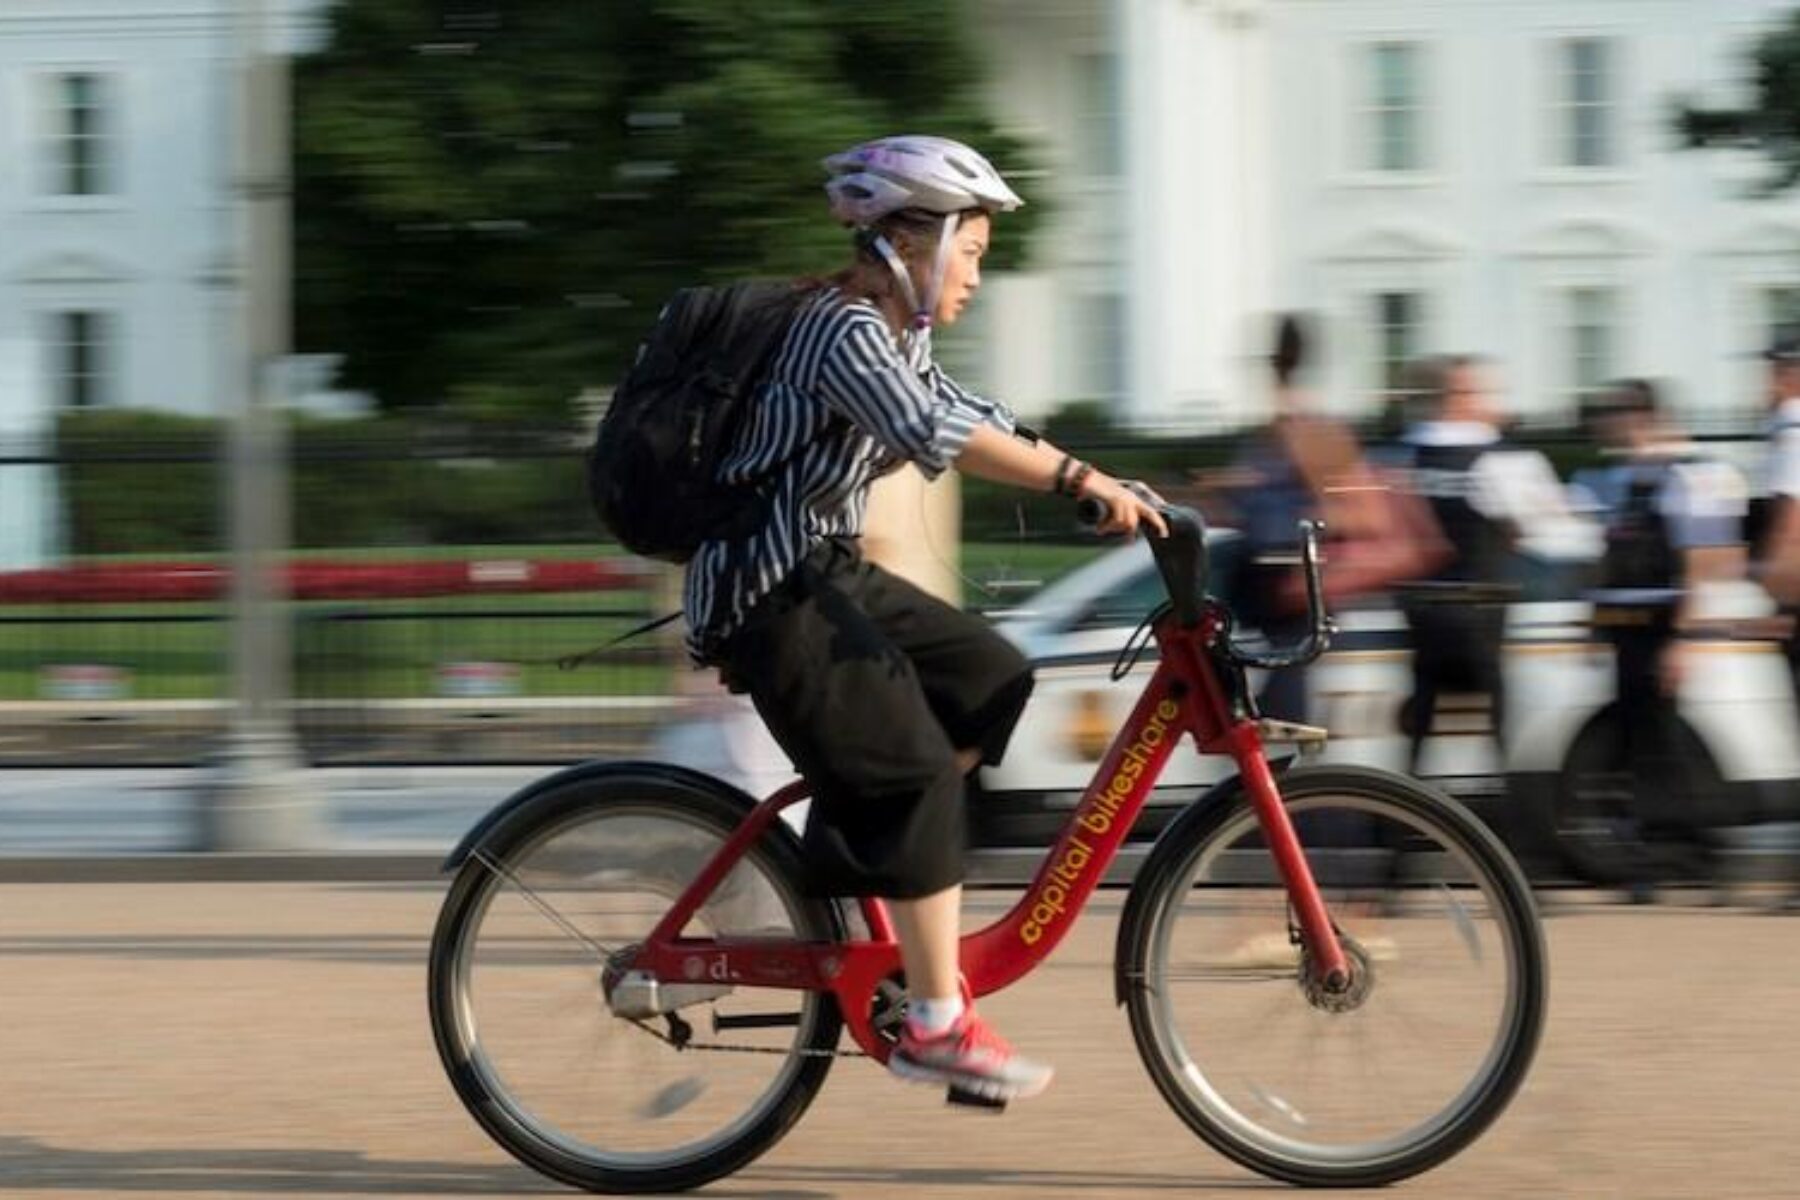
(1335, 976)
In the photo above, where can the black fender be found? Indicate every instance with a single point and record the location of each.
(527, 796)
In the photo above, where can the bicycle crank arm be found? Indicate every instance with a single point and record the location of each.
(756, 1021)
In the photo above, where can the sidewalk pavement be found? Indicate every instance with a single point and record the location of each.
(379, 821)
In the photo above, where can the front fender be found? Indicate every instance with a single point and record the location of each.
(581, 772)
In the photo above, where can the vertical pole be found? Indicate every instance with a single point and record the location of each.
(259, 800)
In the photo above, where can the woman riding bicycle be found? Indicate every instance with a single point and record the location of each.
(884, 697)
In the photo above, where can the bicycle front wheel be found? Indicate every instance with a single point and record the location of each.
(520, 967)
(1353, 1088)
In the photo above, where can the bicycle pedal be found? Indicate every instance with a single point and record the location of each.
(1272, 730)
(973, 1100)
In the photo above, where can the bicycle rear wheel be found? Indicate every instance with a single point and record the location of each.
(1359, 1088)
(518, 1002)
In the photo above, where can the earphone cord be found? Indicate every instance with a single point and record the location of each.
(931, 546)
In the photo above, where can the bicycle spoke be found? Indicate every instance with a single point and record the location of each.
(554, 1075)
(491, 863)
(1364, 1084)
(1465, 925)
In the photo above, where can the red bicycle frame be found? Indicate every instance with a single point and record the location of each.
(1184, 695)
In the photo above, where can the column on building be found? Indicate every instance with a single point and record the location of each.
(1197, 183)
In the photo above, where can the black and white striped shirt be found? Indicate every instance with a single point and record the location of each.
(841, 407)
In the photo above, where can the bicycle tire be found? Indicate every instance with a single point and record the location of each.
(1604, 844)
(1161, 885)
(685, 796)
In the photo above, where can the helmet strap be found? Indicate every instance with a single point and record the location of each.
(898, 266)
(917, 335)
(940, 266)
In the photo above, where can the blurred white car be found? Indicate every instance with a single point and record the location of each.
(1558, 778)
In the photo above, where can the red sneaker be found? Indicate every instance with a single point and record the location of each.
(969, 1057)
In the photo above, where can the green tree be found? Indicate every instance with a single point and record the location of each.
(1771, 123)
(493, 200)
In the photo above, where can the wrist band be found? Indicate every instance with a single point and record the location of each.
(1080, 477)
(1059, 483)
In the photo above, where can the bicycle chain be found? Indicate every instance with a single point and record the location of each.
(726, 1048)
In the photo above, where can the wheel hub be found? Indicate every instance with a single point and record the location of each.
(1349, 994)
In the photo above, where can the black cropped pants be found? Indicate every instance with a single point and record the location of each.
(872, 685)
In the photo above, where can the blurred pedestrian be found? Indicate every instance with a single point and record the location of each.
(1269, 495)
(1674, 521)
(1775, 537)
(1304, 465)
(1487, 496)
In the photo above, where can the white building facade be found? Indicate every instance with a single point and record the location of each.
(118, 235)
(1502, 178)
(1490, 176)
(1486, 176)
(117, 231)
(1150, 115)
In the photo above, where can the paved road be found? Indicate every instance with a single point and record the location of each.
(237, 1040)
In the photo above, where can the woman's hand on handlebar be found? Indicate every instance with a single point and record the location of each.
(1127, 505)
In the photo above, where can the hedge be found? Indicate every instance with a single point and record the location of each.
(152, 483)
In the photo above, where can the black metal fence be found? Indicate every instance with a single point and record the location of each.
(132, 667)
(121, 676)
(388, 685)
(469, 678)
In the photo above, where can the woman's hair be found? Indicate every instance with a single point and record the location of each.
(1289, 354)
(869, 277)
(1633, 396)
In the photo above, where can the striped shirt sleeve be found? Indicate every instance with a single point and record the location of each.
(864, 378)
(992, 412)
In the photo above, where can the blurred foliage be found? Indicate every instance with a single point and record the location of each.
(148, 483)
(1081, 421)
(493, 201)
(1771, 124)
(113, 504)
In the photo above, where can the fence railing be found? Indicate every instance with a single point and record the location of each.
(388, 685)
(452, 678)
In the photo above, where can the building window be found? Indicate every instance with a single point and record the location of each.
(1399, 320)
(78, 143)
(1586, 103)
(1395, 118)
(1591, 343)
(81, 345)
(1098, 140)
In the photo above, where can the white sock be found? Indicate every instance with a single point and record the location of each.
(930, 1018)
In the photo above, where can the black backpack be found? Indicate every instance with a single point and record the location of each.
(653, 469)
(1640, 553)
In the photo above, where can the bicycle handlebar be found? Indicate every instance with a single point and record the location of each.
(1320, 627)
(1181, 559)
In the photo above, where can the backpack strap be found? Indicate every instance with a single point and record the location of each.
(569, 662)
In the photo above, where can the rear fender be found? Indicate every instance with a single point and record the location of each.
(523, 799)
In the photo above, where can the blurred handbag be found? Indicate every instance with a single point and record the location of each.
(1377, 534)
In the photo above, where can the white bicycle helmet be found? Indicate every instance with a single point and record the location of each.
(934, 174)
